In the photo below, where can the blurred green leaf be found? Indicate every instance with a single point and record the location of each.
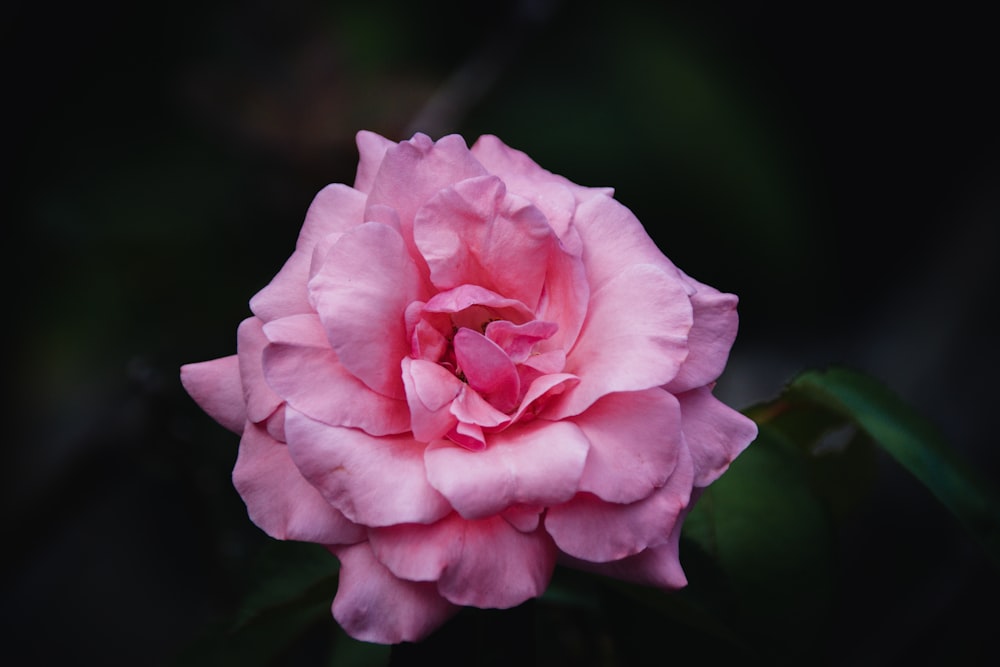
(912, 440)
(772, 539)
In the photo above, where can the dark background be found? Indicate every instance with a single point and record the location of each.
(836, 166)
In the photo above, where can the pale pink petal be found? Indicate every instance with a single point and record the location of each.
(430, 389)
(714, 433)
(361, 294)
(635, 337)
(517, 168)
(413, 171)
(564, 300)
(487, 369)
(594, 530)
(373, 481)
(336, 208)
(635, 441)
(371, 151)
(304, 371)
(279, 500)
(215, 386)
(541, 391)
(373, 605)
(486, 563)
(539, 463)
(613, 240)
(261, 400)
(474, 232)
(710, 339)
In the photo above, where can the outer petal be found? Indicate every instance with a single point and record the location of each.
(361, 294)
(539, 463)
(279, 500)
(374, 606)
(591, 529)
(635, 442)
(486, 564)
(635, 337)
(710, 339)
(336, 208)
(371, 152)
(215, 386)
(260, 399)
(373, 481)
(614, 239)
(414, 171)
(305, 372)
(714, 432)
(658, 566)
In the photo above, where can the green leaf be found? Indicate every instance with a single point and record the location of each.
(908, 437)
(772, 539)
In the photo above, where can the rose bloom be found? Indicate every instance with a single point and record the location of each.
(469, 370)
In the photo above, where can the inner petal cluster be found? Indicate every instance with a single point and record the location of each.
(491, 351)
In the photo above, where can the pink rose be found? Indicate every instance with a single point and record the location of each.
(469, 370)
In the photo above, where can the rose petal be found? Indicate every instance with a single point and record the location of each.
(413, 171)
(261, 400)
(430, 389)
(487, 369)
(474, 232)
(714, 432)
(279, 500)
(658, 566)
(635, 441)
(594, 530)
(372, 605)
(215, 386)
(710, 339)
(361, 293)
(635, 337)
(517, 340)
(371, 151)
(486, 563)
(336, 208)
(614, 240)
(534, 464)
(305, 372)
(372, 481)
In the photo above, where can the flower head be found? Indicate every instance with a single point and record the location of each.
(469, 370)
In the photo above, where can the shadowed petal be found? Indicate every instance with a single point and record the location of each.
(539, 463)
(430, 389)
(215, 386)
(486, 563)
(594, 530)
(372, 605)
(710, 339)
(279, 500)
(373, 481)
(714, 432)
